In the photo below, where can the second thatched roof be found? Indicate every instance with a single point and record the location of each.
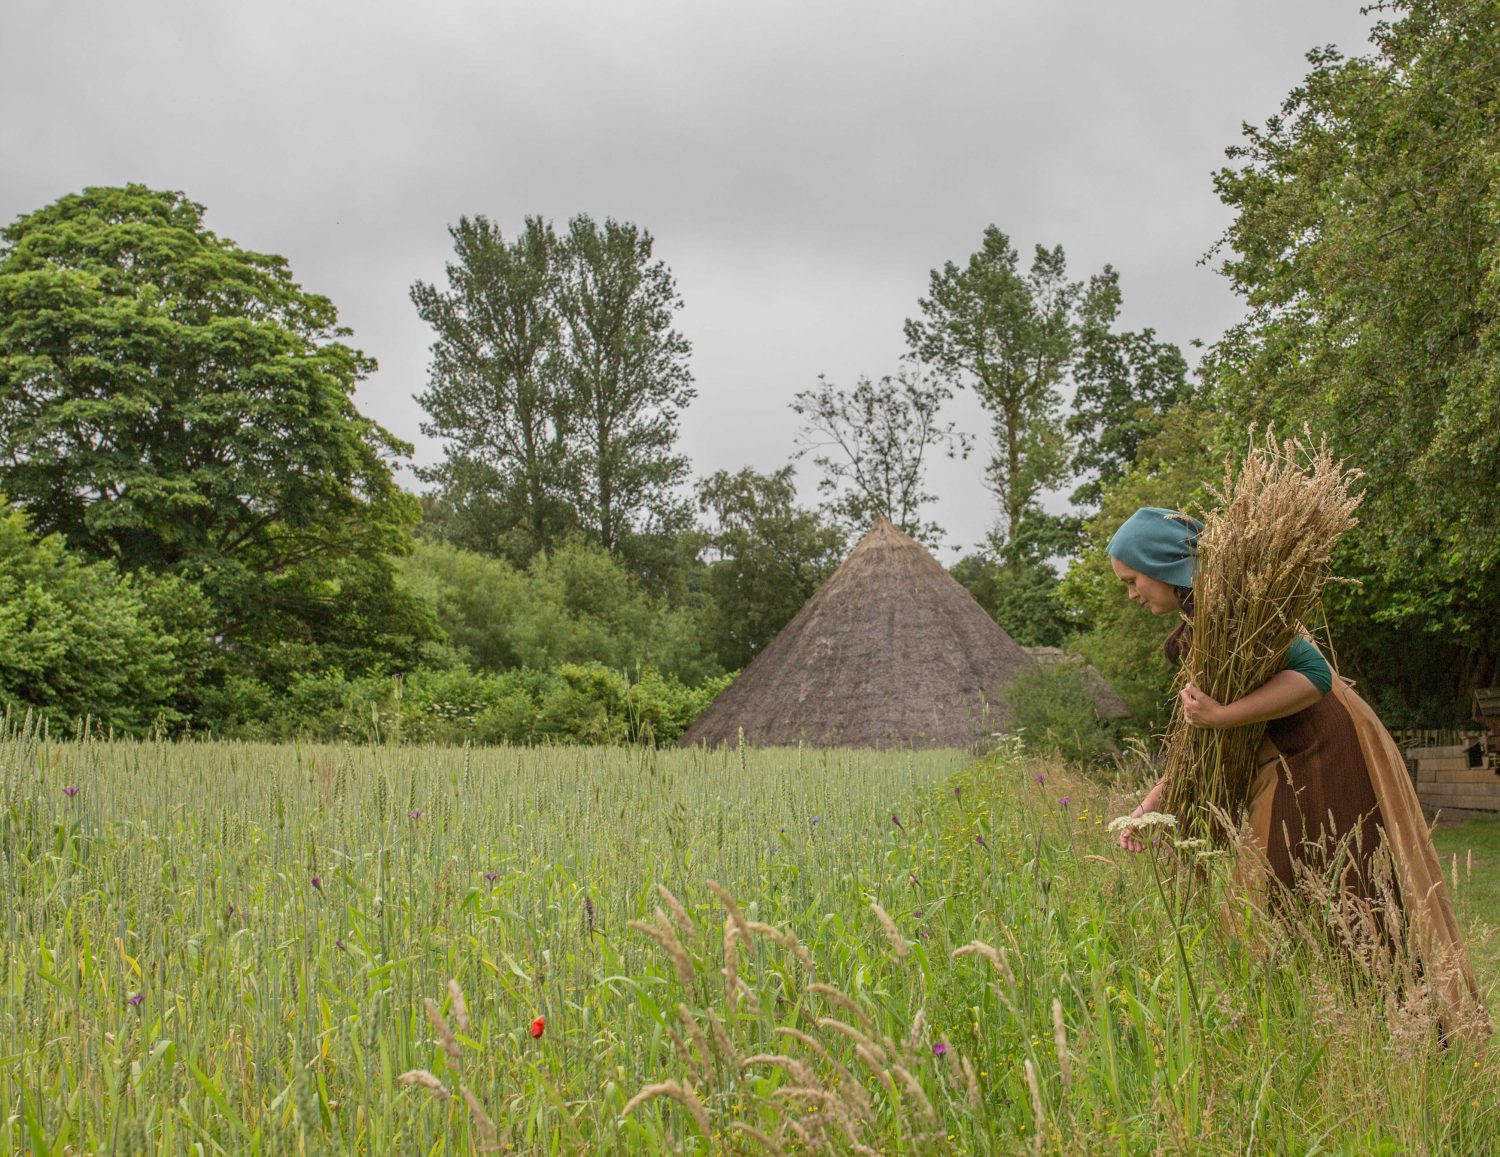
(890, 652)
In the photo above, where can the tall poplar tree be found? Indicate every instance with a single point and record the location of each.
(1011, 336)
(625, 369)
(496, 392)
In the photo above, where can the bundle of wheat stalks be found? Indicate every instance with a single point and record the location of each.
(1263, 558)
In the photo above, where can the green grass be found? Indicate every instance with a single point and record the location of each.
(275, 1015)
(1471, 856)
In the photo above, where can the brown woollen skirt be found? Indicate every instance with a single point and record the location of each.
(1330, 779)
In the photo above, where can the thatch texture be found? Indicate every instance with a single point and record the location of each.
(1107, 702)
(890, 652)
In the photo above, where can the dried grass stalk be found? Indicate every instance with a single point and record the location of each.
(1263, 557)
(683, 1096)
(460, 1008)
(426, 1080)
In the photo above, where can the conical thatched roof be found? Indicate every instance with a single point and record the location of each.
(890, 652)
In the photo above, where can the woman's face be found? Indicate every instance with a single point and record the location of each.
(1156, 596)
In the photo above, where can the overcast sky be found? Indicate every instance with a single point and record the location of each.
(802, 166)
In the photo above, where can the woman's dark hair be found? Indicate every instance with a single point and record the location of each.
(1177, 643)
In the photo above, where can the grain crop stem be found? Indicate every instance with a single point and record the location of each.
(1174, 916)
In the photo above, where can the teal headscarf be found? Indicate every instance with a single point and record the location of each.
(1158, 542)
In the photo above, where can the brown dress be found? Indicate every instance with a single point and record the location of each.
(1330, 777)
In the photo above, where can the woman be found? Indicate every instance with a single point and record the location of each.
(1329, 779)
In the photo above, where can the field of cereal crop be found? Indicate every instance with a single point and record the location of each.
(229, 948)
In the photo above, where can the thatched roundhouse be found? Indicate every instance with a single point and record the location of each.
(890, 652)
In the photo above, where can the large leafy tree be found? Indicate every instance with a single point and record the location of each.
(1011, 336)
(626, 368)
(872, 443)
(181, 406)
(1124, 385)
(1366, 243)
(496, 393)
(767, 557)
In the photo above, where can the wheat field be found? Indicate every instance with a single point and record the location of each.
(236, 948)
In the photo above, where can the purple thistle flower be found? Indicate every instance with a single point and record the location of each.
(70, 791)
(317, 882)
(339, 944)
(1040, 778)
(958, 794)
(415, 814)
(1066, 800)
(135, 998)
(979, 839)
(229, 912)
(917, 915)
(939, 1049)
(491, 877)
(895, 819)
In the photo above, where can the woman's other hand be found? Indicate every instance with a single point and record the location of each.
(1200, 708)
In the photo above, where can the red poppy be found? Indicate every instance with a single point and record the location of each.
(539, 1026)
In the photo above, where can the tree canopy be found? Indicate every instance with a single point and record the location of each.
(179, 405)
(1366, 243)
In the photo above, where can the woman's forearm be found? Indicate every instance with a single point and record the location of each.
(1285, 693)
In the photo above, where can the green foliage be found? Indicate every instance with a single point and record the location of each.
(495, 392)
(182, 407)
(1052, 708)
(1012, 337)
(568, 704)
(870, 444)
(79, 641)
(575, 604)
(770, 557)
(184, 871)
(556, 382)
(1366, 243)
(1124, 384)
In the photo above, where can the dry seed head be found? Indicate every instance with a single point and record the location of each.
(975, 1100)
(460, 1009)
(440, 1026)
(476, 1110)
(918, 1027)
(700, 1043)
(851, 1032)
(844, 1001)
(914, 1090)
(1039, 1115)
(731, 907)
(758, 1137)
(850, 1089)
(666, 939)
(426, 1080)
(800, 1071)
(727, 1052)
(996, 957)
(1060, 1038)
(679, 914)
(892, 933)
(731, 965)
(683, 1096)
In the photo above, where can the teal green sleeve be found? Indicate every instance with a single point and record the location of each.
(1305, 659)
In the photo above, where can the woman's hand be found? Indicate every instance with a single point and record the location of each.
(1128, 839)
(1200, 708)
